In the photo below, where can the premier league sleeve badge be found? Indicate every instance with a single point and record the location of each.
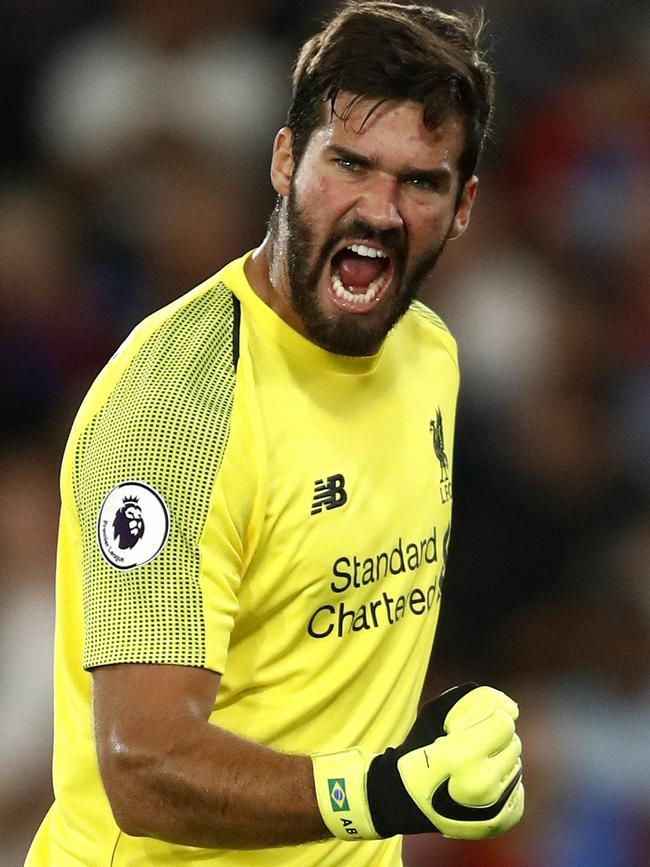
(133, 525)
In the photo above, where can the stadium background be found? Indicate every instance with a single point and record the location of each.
(134, 162)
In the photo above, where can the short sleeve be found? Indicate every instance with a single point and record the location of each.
(145, 465)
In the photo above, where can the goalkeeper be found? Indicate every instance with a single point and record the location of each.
(256, 508)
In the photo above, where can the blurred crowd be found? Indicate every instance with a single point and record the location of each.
(134, 163)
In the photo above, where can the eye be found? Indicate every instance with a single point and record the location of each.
(422, 183)
(347, 164)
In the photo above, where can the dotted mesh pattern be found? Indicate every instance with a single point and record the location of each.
(426, 312)
(166, 423)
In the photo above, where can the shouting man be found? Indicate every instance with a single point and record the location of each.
(238, 669)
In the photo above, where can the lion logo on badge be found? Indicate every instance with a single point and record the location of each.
(132, 524)
(128, 524)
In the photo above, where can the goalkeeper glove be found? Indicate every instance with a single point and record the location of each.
(457, 772)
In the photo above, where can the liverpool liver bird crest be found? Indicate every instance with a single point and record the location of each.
(439, 445)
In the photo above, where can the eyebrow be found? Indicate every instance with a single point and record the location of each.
(345, 154)
(441, 176)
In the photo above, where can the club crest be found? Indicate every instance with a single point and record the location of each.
(438, 437)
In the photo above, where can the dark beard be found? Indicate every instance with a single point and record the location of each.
(348, 333)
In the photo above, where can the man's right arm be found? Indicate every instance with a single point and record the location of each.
(172, 775)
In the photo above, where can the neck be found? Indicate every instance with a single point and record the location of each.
(266, 271)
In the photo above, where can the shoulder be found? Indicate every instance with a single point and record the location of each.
(184, 336)
(423, 324)
(425, 314)
(172, 356)
(169, 388)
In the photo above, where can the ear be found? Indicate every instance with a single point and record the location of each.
(461, 218)
(282, 161)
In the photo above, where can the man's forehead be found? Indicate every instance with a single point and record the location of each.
(361, 122)
(358, 112)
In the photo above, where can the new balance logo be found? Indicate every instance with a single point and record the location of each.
(329, 494)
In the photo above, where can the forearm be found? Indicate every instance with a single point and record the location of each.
(210, 788)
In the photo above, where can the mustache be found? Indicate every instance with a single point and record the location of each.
(394, 241)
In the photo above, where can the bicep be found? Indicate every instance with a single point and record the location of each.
(138, 709)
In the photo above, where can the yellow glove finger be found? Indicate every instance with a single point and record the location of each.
(485, 739)
(477, 705)
(485, 782)
(507, 757)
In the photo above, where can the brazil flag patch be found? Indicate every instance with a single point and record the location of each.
(338, 796)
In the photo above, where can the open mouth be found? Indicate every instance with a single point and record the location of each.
(359, 277)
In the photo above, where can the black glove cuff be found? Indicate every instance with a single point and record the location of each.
(392, 809)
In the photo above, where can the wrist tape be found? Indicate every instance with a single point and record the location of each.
(340, 780)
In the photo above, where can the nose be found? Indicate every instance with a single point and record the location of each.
(378, 204)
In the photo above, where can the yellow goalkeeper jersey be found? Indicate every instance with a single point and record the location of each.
(237, 498)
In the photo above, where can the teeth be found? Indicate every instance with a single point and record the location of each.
(362, 250)
(369, 295)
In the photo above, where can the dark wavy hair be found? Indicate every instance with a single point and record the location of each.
(381, 51)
